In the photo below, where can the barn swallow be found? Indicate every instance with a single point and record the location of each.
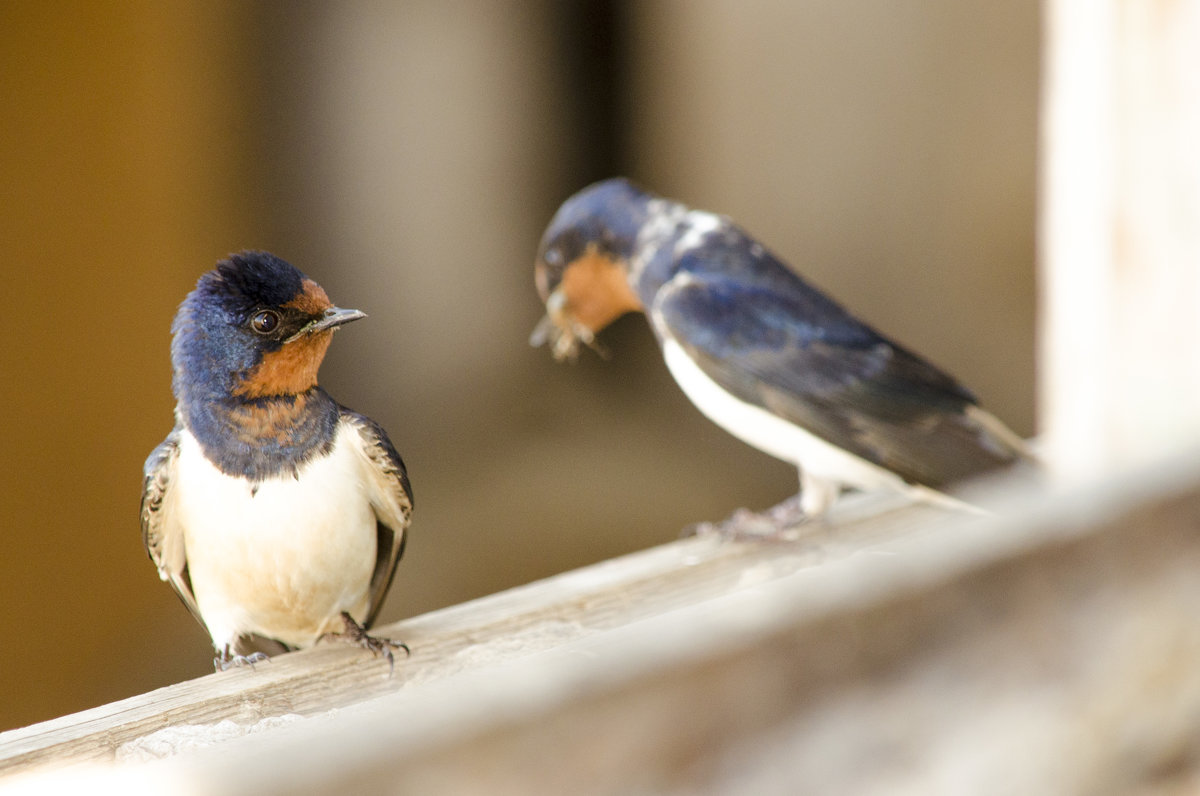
(277, 514)
(761, 352)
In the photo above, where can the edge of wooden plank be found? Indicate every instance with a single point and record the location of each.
(480, 633)
(687, 686)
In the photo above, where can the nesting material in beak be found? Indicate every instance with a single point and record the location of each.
(561, 331)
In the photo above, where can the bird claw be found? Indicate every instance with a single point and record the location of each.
(356, 634)
(780, 523)
(226, 660)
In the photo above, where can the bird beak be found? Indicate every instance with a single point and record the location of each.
(561, 331)
(554, 322)
(330, 319)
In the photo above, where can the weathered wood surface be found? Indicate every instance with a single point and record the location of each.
(475, 635)
(1053, 649)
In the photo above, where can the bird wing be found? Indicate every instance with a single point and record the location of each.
(163, 536)
(391, 499)
(777, 343)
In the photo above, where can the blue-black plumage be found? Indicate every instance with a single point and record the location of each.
(277, 514)
(759, 350)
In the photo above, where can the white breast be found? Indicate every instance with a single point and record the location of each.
(285, 560)
(770, 433)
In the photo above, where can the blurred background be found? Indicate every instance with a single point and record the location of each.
(407, 155)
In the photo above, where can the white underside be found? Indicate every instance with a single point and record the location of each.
(824, 468)
(285, 560)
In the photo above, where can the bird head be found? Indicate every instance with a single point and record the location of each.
(254, 327)
(582, 266)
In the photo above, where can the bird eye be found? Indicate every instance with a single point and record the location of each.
(265, 321)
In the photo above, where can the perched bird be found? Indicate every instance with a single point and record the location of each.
(277, 514)
(761, 352)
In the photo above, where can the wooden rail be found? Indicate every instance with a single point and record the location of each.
(475, 635)
(1053, 647)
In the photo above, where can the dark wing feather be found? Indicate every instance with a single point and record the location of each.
(162, 537)
(392, 500)
(775, 342)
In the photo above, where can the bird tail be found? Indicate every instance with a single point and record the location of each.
(1002, 434)
(933, 497)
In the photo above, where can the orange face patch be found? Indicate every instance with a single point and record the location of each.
(597, 290)
(312, 299)
(290, 370)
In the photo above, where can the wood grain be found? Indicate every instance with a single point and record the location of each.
(471, 636)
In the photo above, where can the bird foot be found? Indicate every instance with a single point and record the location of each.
(226, 660)
(357, 634)
(780, 523)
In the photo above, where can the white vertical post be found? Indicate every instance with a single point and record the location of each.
(1120, 232)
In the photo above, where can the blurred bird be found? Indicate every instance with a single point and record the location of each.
(277, 514)
(760, 352)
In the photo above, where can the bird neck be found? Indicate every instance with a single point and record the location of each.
(264, 437)
(653, 262)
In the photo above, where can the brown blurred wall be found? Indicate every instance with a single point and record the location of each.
(886, 150)
(407, 156)
(120, 152)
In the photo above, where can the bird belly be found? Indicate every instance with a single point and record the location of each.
(282, 560)
(772, 434)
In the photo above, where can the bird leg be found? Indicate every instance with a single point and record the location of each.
(816, 494)
(357, 634)
(227, 660)
(781, 522)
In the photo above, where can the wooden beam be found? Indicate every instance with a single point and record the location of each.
(1053, 646)
(1120, 232)
(471, 636)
